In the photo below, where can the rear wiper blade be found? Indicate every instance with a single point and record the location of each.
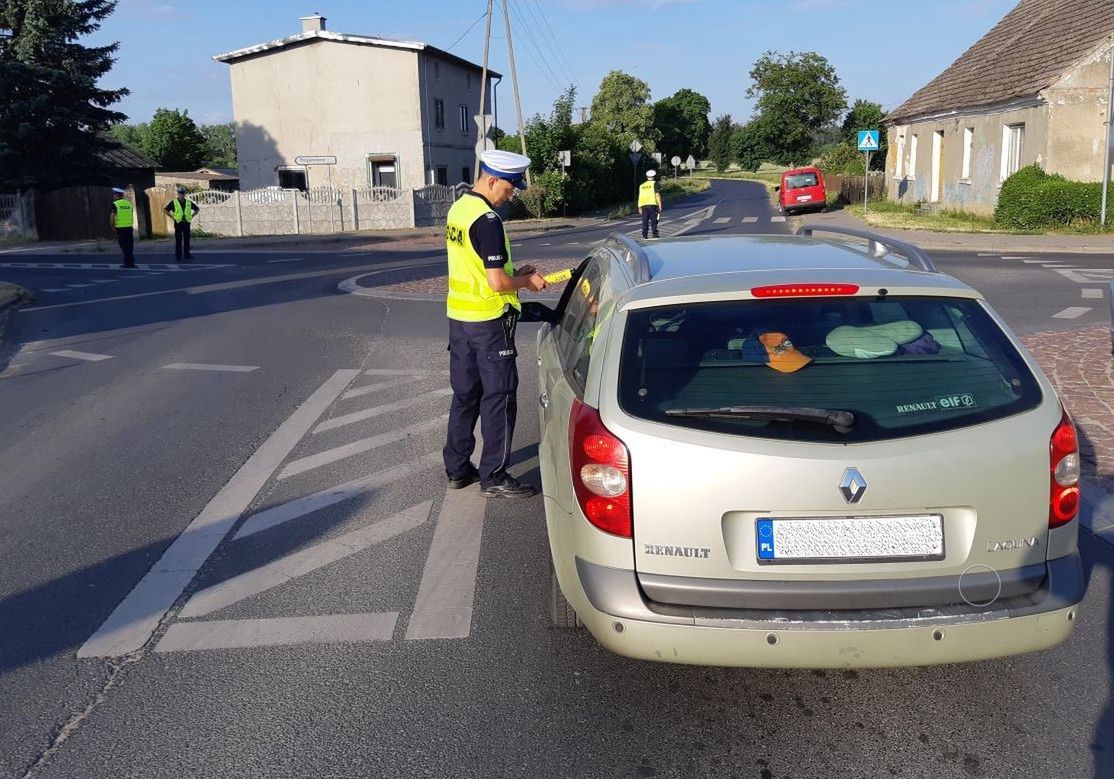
(840, 421)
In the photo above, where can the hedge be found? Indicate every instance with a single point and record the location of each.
(1032, 199)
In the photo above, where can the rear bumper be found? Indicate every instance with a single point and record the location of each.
(623, 620)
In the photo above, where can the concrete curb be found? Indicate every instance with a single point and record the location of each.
(10, 296)
(351, 286)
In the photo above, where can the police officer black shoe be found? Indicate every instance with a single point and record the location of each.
(509, 487)
(471, 476)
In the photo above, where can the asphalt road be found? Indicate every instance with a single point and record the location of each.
(363, 621)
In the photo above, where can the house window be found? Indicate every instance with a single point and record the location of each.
(292, 178)
(464, 120)
(968, 146)
(439, 113)
(899, 166)
(466, 174)
(442, 176)
(913, 156)
(384, 170)
(1013, 143)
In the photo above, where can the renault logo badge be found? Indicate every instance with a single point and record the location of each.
(852, 485)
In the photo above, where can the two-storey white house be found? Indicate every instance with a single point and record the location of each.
(393, 113)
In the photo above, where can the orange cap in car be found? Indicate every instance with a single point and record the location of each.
(781, 354)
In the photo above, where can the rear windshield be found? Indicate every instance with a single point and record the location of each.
(900, 365)
(798, 180)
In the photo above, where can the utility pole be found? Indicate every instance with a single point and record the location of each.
(483, 88)
(1109, 131)
(514, 81)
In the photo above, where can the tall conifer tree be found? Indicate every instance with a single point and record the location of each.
(53, 116)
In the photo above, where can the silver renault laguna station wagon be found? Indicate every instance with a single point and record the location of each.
(791, 451)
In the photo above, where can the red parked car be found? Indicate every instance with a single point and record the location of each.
(802, 189)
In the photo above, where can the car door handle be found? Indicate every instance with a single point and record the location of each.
(543, 399)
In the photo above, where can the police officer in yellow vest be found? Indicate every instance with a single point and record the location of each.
(182, 210)
(649, 204)
(483, 309)
(123, 222)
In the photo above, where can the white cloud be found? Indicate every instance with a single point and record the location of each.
(158, 9)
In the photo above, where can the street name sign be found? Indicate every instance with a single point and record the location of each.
(319, 159)
(868, 140)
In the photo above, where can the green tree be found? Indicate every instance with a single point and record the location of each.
(622, 106)
(134, 136)
(748, 145)
(54, 119)
(719, 143)
(682, 122)
(220, 145)
(799, 95)
(865, 115)
(174, 141)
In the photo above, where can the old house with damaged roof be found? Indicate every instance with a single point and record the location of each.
(1035, 89)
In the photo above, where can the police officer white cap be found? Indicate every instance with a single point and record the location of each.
(506, 165)
(180, 189)
(117, 191)
(651, 173)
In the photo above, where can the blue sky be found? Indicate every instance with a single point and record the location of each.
(881, 50)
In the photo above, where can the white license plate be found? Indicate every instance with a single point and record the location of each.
(803, 198)
(845, 539)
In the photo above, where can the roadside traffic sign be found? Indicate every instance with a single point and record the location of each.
(690, 163)
(868, 140)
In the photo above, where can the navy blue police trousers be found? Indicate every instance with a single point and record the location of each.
(483, 375)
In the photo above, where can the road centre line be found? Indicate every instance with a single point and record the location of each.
(1016, 257)
(447, 591)
(197, 366)
(299, 507)
(721, 220)
(292, 259)
(749, 219)
(87, 356)
(357, 447)
(302, 562)
(1092, 294)
(987, 254)
(135, 619)
(378, 411)
(279, 631)
(1028, 261)
(1073, 312)
(368, 389)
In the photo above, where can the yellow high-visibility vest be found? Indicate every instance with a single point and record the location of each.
(647, 195)
(182, 213)
(471, 298)
(125, 213)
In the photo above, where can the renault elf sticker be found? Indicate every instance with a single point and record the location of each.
(942, 403)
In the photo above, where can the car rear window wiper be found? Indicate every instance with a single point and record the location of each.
(840, 421)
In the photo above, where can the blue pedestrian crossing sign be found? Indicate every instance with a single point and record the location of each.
(868, 140)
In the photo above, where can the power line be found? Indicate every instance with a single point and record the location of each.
(548, 29)
(458, 40)
(539, 56)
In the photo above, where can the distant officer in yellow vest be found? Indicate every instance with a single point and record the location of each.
(123, 222)
(182, 210)
(483, 309)
(649, 204)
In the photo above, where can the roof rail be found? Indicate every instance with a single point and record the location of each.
(639, 262)
(878, 246)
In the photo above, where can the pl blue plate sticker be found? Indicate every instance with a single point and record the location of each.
(765, 539)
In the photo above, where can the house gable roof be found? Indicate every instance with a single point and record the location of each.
(1026, 52)
(312, 36)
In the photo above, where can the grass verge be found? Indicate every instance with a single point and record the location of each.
(895, 216)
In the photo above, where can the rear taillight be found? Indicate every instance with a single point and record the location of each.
(1064, 465)
(600, 471)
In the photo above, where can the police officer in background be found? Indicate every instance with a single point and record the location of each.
(483, 309)
(182, 210)
(649, 204)
(123, 221)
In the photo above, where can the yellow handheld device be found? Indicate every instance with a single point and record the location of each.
(561, 275)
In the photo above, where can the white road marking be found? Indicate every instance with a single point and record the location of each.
(136, 618)
(1030, 262)
(87, 356)
(447, 592)
(106, 266)
(300, 563)
(1055, 266)
(63, 289)
(77, 286)
(750, 220)
(197, 366)
(777, 218)
(368, 389)
(292, 259)
(1074, 312)
(986, 254)
(357, 447)
(299, 507)
(278, 631)
(1015, 257)
(378, 411)
(1088, 276)
(721, 220)
(405, 372)
(1092, 294)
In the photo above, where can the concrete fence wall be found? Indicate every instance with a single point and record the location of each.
(17, 216)
(321, 210)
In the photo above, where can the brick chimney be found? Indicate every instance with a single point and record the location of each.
(315, 23)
